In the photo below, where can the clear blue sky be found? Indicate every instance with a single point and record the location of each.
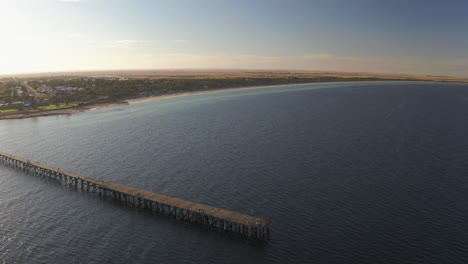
(351, 35)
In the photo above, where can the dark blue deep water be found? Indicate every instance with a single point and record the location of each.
(349, 173)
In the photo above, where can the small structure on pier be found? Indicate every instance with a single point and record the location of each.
(221, 219)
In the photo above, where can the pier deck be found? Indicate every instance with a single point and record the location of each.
(226, 220)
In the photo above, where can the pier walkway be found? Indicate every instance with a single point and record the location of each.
(221, 219)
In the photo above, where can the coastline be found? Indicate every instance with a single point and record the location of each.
(75, 110)
(158, 97)
(68, 111)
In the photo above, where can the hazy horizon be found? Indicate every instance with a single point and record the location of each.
(176, 71)
(417, 37)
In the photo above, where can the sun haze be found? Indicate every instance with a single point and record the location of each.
(417, 37)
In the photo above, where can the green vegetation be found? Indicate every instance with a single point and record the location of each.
(39, 109)
(101, 89)
(9, 92)
(104, 90)
(55, 107)
(8, 110)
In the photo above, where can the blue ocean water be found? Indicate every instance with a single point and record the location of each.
(349, 172)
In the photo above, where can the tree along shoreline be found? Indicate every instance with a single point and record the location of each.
(118, 95)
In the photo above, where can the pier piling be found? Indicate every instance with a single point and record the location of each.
(217, 218)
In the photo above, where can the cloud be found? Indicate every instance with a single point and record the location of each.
(69, 1)
(112, 44)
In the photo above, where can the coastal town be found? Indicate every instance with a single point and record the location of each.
(42, 94)
(27, 95)
(38, 95)
(19, 97)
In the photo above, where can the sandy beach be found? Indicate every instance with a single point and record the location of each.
(70, 111)
(214, 74)
(158, 97)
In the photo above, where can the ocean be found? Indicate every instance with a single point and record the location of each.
(358, 172)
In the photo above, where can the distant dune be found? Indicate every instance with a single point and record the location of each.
(194, 74)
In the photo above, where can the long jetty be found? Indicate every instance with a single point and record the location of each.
(216, 218)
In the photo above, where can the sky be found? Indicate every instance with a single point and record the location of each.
(398, 36)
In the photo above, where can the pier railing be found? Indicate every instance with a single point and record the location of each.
(217, 218)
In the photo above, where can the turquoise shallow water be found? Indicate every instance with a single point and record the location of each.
(361, 173)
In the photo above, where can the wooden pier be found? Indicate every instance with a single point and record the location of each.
(217, 218)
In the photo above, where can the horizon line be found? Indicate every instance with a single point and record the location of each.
(84, 71)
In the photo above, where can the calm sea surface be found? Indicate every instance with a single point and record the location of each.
(349, 173)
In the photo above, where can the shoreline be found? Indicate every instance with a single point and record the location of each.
(80, 109)
(157, 97)
(75, 110)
